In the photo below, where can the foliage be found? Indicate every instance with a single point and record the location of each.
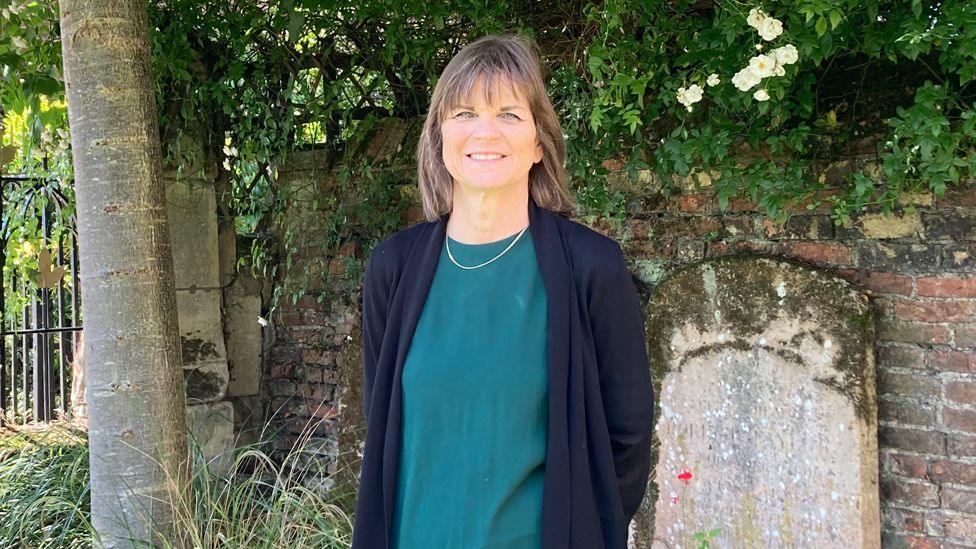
(752, 97)
(44, 498)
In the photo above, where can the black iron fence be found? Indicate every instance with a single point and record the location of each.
(39, 300)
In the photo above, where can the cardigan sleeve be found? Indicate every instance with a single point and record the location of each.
(374, 309)
(625, 382)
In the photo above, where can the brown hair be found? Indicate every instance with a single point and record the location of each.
(511, 58)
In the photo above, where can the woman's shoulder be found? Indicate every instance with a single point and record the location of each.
(591, 250)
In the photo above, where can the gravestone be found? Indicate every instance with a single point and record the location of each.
(766, 431)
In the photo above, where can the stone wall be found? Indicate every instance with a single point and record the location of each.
(918, 267)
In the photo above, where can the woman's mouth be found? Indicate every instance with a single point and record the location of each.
(478, 157)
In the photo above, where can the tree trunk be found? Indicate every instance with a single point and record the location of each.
(136, 399)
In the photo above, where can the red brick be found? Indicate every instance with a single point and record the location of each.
(950, 361)
(878, 282)
(960, 444)
(959, 419)
(322, 411)
(314, 356)
(906, 412)
(959, 500)
(935, 311)
(909, 542)
(912, 440)
(962, 392)
(957, 472)
(946, 286)
(742, 205)
(692, 203)
(318, 392)
(716, 249)
(905, 465)
(820, 253)
(904, 331)
(921, 494)
(901, 356)
(964, 336)
(958, 526)
(909, 385)
(308, 302)
(903, 519)
(282, 371)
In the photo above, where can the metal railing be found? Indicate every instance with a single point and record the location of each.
(39, 343)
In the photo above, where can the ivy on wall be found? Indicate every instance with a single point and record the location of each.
(750, 96)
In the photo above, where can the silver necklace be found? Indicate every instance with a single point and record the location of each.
(449, 254)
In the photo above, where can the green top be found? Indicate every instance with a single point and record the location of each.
(475, 402)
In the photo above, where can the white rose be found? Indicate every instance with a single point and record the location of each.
(19, 42)
(770, 28)
(755, 17)
(689, 96)
(762, 65)
(785, 55)
(713, 80)
(745, 79)
(778, 70)
(761, 95)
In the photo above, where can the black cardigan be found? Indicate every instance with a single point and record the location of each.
(600, 397)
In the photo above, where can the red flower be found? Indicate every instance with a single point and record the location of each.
(685, 476)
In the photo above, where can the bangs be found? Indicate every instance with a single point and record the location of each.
(493, 79)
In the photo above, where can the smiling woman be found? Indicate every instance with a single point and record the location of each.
(506, 387)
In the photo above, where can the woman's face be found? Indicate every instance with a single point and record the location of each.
(490, 146)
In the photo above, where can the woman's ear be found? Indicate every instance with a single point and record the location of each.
(538, 152)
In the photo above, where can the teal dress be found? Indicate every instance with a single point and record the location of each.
(474, 384)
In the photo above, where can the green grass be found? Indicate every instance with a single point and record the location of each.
(44, 498)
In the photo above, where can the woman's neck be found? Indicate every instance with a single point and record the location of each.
(486, 216)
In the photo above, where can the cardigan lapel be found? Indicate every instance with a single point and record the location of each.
(557, 276)
(416, 278)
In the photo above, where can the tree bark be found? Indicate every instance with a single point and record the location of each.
(136, 399)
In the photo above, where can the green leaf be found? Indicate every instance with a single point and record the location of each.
(821, 26)
(835, 19)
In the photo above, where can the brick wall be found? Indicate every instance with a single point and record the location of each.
(919, 267)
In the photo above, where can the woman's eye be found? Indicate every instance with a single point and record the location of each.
(463, 113)
(513, 115)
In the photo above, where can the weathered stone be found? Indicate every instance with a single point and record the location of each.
(212, 428)
(201, 332)
(879, 225)
(900, 258)
(764, 372)
(950, 225)
(192, 213)
(206, 382)
(242, 306)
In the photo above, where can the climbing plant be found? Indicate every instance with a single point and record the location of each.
(750, 97)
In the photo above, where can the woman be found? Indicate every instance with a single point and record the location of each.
(507, 391)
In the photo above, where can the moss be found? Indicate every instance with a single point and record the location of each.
(202, 385)
(742, 294)
(195, 350)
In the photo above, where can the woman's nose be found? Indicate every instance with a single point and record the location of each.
(485, 127)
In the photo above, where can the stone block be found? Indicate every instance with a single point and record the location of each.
(192, 213)
(880, 225)
(206, 381)
(242, 306)
(950, 225)
(201, 328)
(899, 258)
(212, 428)
(767, 423)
